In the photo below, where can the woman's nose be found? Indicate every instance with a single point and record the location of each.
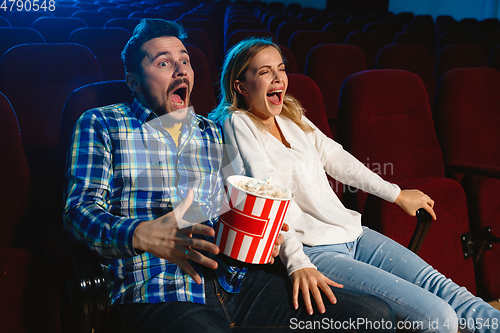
(277, 76)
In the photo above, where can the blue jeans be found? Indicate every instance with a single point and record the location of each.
(264, 304)
(422, 298)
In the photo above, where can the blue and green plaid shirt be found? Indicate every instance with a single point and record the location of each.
(124, 168)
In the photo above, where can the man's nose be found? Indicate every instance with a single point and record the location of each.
(180, 69)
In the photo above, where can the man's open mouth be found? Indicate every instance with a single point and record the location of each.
(275, 96)
(179, 96)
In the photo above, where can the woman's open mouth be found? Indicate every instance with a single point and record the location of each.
(275, 96)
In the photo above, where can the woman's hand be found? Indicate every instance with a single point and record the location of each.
(279, 240)
(309, 279)
(412, 200)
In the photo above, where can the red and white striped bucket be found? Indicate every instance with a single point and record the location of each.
(249, 228)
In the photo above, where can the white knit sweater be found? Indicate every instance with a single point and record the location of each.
(316, 216)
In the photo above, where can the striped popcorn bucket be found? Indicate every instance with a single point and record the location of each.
(251, 224)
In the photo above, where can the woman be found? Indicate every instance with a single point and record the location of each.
(326, 241)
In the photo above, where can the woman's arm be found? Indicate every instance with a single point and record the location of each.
(345, 168)
(249, 157)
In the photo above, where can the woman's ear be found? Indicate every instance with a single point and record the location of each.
(238, 86)
(133, 83)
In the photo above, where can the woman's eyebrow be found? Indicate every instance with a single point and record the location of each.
(269, 66)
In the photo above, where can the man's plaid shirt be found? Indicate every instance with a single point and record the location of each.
(124, 168)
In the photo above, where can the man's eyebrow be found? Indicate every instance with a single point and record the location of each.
(159, 54)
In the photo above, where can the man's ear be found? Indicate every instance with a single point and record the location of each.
(238, 86)
(133, 82)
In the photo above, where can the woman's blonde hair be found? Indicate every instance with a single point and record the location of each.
(234, 68)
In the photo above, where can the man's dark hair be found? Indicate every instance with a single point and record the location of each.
(147, 29)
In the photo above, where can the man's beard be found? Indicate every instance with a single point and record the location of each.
(153, 103)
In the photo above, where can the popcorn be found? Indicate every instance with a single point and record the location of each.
(254, 212)
(263, 188)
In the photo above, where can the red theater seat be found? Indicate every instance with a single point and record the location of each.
(29, 294)
(216, 37)
(4, 22)
(246, 24)
(388, 29)
(341, 29)
(467, 113)
(239, 35)
(302, 41)
(107, 45)
(201, 39)
(307, 92)
(95, 19)
(291, 65)
(418, 23)
(26, 19)
(494, 57)
(15, 177)
(369, 42)
(16, 36)
(411, 57)
(417, 37)
(115, 11)
(460, 55)
(149, 14)
(37, 91)
(385, 121)
(126, 23)
(202, 96)
(329, 65)
(454, 37)
(488, 39)
(57, 29)
(286, 29)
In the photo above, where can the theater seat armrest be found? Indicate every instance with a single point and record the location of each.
(424, 220)
(85, 291)
(475, 169)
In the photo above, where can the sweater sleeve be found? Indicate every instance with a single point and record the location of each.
(247, 153)
(345, 168)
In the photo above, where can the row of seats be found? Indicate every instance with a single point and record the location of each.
(416, 29)
(382, 116)
(330, 64)
(240, 23)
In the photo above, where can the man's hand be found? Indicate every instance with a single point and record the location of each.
(309, 279)
(279, 240)
(412, 200)
(163, 238)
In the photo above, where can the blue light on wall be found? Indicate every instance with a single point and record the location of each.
(458, 9)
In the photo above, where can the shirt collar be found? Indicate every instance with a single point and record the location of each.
(142, 113)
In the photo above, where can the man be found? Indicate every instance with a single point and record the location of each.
(144, 187)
